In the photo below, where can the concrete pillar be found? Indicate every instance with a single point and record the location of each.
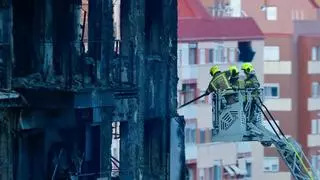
(7, 43)
(47, 68)
(132, 34)
(76, 35)
(94, 29)
(6, 144)
(107, 41)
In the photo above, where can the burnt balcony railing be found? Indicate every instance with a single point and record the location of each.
(122, 69)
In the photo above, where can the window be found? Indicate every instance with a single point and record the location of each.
(271, 53)
(180, 56)
(211, 55)
(190, 172)
(202, 136)
(315, 89)
(201, 174)
(217, 172)
(232, 55)
(271, 164)
(246, 52)
(301, 15)
(219, 57)
(189, 92)
(190, 134)
(271, 13)
(249, 169)
(315, 53)
(271, 90)
(318, 164)
(315, 126)
(202, 56)
(193, 53)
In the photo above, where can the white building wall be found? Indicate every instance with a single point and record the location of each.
(258, 61)
(209, 153)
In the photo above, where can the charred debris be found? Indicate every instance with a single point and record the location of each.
(69, 89)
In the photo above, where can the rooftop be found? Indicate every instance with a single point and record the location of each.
(195, 23)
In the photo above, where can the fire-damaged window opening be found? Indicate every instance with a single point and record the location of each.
(246, 52)
(153, 30)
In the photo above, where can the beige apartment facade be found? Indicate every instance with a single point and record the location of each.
(283, 68)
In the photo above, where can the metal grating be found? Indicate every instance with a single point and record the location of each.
(227, 121)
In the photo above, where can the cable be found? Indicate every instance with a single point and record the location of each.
(268, 121)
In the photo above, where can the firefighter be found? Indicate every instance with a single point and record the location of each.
(235, 82)
(219, 80)
(251, 82)
(233, 77)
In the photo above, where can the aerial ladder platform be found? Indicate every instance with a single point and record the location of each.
(238, 117)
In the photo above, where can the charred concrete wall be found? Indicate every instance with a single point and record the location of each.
(149, 38)
(8, 134)
(48, 60)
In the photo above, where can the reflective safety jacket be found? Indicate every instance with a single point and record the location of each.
(251, 81)
(241, 84)
(219, 82)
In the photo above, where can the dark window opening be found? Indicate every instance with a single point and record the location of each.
(153, 20)
(246, 52)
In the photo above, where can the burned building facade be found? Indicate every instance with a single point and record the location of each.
(60, 99)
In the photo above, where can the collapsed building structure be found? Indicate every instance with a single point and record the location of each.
(58, 101)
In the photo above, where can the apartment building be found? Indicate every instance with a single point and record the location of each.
(290, 56)
(203, 42)
(307, 47)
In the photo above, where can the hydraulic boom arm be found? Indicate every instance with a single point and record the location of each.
(239, 117)
(290, 151)
(296, 160)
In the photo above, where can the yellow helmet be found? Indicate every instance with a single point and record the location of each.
(247, 67)
(233, 70)
(214, 70)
